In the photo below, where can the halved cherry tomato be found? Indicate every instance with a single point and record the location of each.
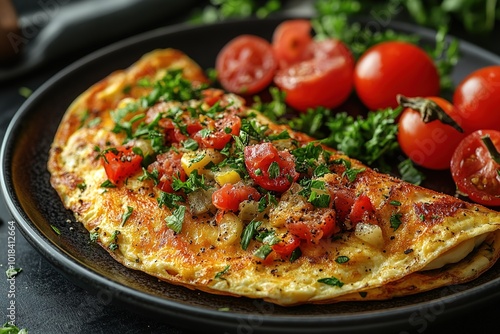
(474, 169)
(391, 68)
(431, 144)
(362, 210)
(285, 247)
(220, 132)
(121, 163)
(246, 65)
(291, 41)
(169, 166)
(343, 200)
(230, 196)
(477, 99)
(326, 79)
(269, 168)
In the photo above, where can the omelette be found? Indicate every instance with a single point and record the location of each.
(185, 183)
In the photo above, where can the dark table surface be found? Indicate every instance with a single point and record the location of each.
(46, 302)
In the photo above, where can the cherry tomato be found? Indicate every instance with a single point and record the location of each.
(168, 165)
(230, 196)
(362, 210)
(391, 68)
(474, 169)
(477, 99)
(285, 247)
(291, 41)
(269, 168)
(326, 79)
(121, 163)
(343, 200)
(431, 144)
(246, 65)
(220, 132)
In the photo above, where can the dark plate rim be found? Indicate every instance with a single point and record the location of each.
(71, 267)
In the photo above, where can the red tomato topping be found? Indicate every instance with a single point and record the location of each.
(320, 225)
(475, 171)
(230, 196)
(220, 132)
(246, 65)
(431, 144)
(343, 200)
(269, 168)
(362, 210)
(477, 99)
(285, 247)
(325, 79)
(391, 68)
(168, 165)
(291, 41)
(121, 163)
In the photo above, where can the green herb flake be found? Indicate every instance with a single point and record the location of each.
(296, 253)
(333, 281)
(126, 215)
(94, 236)
(25, 92)
(248, 233)
(395, 220)
(113, 245)
(176, 219)
(342, 259)
(395, 203)
(55, 229)
(263, 251)
(12, 272)
(274, 170)
(8, 328)
(190, 144)
(363, 294)
(169, 200)
(222, 273)
(107, 184)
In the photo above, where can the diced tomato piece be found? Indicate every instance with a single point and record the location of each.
(212, 95)
(317, 226)
(362, 210)
(269, 168)
(168, 165)
(285, 247)
(343, 200)
(230, 196)
(121, 163)
(220, 132)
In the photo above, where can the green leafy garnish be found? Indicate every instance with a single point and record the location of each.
(395, 220)
(342, 259)
(114, 238)
(248, 233)
(8, 328)
(12, 272)
(222, 272)
(126, 215)
(409, 173)
(176, 219)
(333, 281)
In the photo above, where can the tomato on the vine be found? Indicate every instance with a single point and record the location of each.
(269, 168)
(391, 68)
(324, 79)
(428, 144)
(291, 41)
(477, 98)
(246, 65)
(121, 163)
(475, 167)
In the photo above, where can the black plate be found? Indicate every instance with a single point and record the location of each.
(36, 206)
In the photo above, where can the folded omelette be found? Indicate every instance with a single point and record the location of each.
(187, 184)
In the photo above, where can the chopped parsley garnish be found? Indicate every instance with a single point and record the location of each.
(296, 253)
(94, 236)
(263, 251)
(55, 229)
(8, 328)
(315, 192)
(190, 144)
(169, 200)
(176, 219)
(342, 259)
(126, 215)
(395, 220)
(154, 175)
(107, 184)
(12, 272)
(333, 281)
(114, 238)
(266, 200)
(274, 170)
(222, 273)
(395, 203)
(193, 183)
(248, 233)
